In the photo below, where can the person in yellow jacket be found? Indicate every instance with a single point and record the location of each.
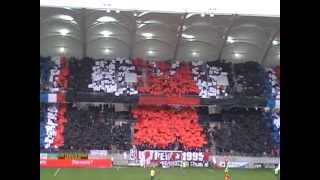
(152, 173)
(226, 174)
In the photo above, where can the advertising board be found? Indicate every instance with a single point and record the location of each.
(67, 163)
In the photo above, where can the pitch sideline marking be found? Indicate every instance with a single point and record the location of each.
(57, 171)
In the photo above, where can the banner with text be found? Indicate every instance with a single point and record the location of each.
(43, 156)
(98, 154)
(63, 163)
(168, 158)
(234, 164)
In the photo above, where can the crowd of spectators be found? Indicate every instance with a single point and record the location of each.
(45, 65)
(53, 74)
(273, 105)
(52, 122)
(250, 79)
(121, 136)
(241, 130)
(48, 125)
(92, 129)
(212, 78)
(211, 132)
(42, 125)
(167, 128)
(244, 131)
(206, 117)
(116, 77)
(167, 79)
(110, 77)
(273, 85)
(124, 77)
(80, 74)
(276, 128)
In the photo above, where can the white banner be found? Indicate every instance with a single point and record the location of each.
(93, 157)
(98, 152)
(43, 156)
(222, 80)
(234, 164)
(52, 98)
(168, 158)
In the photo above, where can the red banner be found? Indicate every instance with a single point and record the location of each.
(163, 100)
(63, 163)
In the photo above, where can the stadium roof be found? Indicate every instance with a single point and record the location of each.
(206, 36)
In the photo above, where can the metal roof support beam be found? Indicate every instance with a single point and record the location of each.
(133, 36)
(83, 28)
(226, 34)
(269, 45)
(179, 35)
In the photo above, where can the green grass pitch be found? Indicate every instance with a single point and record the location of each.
(137, 173)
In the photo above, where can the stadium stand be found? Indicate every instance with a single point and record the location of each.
(165, 79)
(45, 65)
(110, 77)
(53, 84)
(234, 137)
(276, 128)
(106, 80)
(42, 126)
(273, 87)
(53, 74)
(212, 78)
(80, 74)
(274, 103)
(216, 79)
(250, 79)
(167, 127)
(52, 121)
(92, 129)
(107, 76)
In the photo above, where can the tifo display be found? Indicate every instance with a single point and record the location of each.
(104, 77)
(159, 127)
(159, 107)
(53, 84)
(214, 81)
(52, 126)
(123, 77)
(168, 81)
(53, 74)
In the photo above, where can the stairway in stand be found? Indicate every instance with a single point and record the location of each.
(213, 147)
